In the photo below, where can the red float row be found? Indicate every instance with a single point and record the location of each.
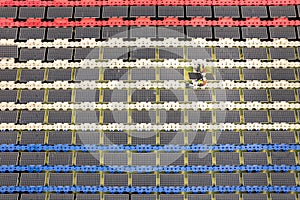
(147, 2)
(64, 22)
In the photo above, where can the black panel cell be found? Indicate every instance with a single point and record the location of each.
(255, 74)
(254, 32)
(60, 137)
(282, 32)
(142, 53)
(254, 11)
(199, 32)
(31, 12)
(142, 32)
(255, 179)
(59, 12)
(86, 96)
(255, 137)
(281, 116)
(32, 33)
(87, 158)
(227, 158)
(283, 158)
(199, 116)
(171, 159)
(143, 96)
(143, 117)
(60, 75)
(143, 159)
(32, 179)
(283, 179)
(282, 74)
(8, 116)
(199, 138)
(115, 138)
(8, 33)
(171, 179)
(59, 54)
(170, 53)
(255, 95)
(282, 137)
(8, 12)
(275, 196)
(53, 196)
(33, 196)
(227, 11)
(171, 116)
(32, 54)
(87, 12)
(87, 74)
(116, 74)
(143, 138)
(31, 116)
(199, 95)
(87, 32)
(251, 116)
(176, 138)
(255, 196)
(60, 158)
(199, 53)
(115, 158)
(227, 53)
(170, 11)
(8, 137)
(255, 158)
(84, 179)
(141, 180)
(86, 53)
(9, 158)
(8, 51)
(115, 96)
(32, 75)
(199, 158)
(9, 179)
(225, 179)
(227, 137)
(282, 53)
(227, 32)
(142, 11)
(114, 32)
(227, 74)
(114, 116)
(28, 137)
(255, 53)
(170, 32)
(8, 74)
(59, 117)
(60, 179)
(282, 11)
(115, 53)
(59, 33)
(114, 11)
(143, 74)
(171, 95)
(227, 95)
(59, 95)
(199, 180)
(8, 95)
(282, 95)
(171, 74)
(32, 158)
(87, 116)
(87, 138)
(198, 11)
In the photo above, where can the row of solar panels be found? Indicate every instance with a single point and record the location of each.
(182, 32)
(135, 74)
(260, 95)
(149, 138)
(245, 196)
(85, 179)
(250, 116)
(148, 159)
(150, 11)
(52, 54)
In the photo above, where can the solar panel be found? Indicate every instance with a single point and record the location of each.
(227, 137)
(8, 116)
(282, 11)
(8, 95)
(60, 75)
(279, 137)
(283, 116)
(282, 32)
(171, 159)
(8, 12)
(226, 11)
(87, 32)
(275, 196)
(143, 138)
(143, 197)
(227, 32)
(171, 197)
(83, 158)
(227, 53)
(31, 12)
(282, 53)
(86, 96)
(87, 116)
(32, 179)
(199, 53)
(199, 32)
(32, 158)
(171, 179)
(9, 179)
(143, 74)
(255, 179)
(32, 137)
(283, 158)
(9, 196)
(254, 11)
(61, 196)
(8, 137)
(198, 11)
(170, 32)
(251, 116)
(8, 51)
(255, 196)
(170, 11)
(283, 179)
(232, 179)
(227, 158)
(254, 53)
(114, 32)
(60, 179)
(9, 158)
(115, 158)
(282, 74)
(59, 54)
(115, 138)
(60, 158)
(84, 179)
(171, 95)
(200, 158)
(199, 95)
(199, 197)
(116, 74)
(199, 138)
(255, 158)
(228, 116)
(176, 138)
(8, 33)
(171, 116)
(88, 196)
(59, 95)
(114, 11)
(282, 95)
(8, 74)
(199, 179)
(143, 95)
(60, 137)
(116, 197)
(87, 12)
(170, 53)
(115, 180)
(59, 116)
(32, 54)
(87, 53)
(33, 196)
(59, 12)
(142, 180)
(145, 32)
(227, 197)
(142, 53)
(142, 11)
(143, 117)
(32, 75)
(171, 74)
(31, 116)
(87, 138)
(32, 33)
(255, 74)
(143, 159)
(254, 32)
(199, 116)
(115, 95)
(227, 95)
(59, 33)
(114, 116)
(255, 95)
